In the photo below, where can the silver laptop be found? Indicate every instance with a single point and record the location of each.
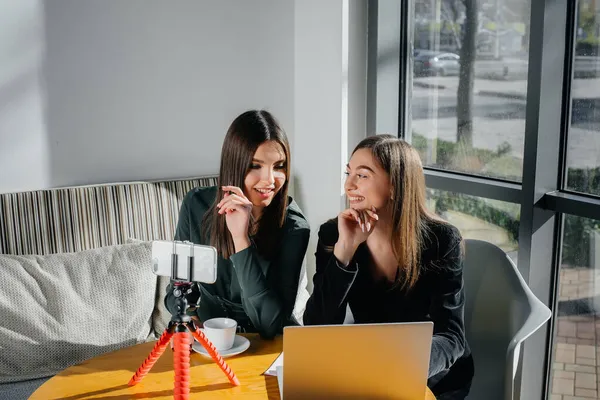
(372, 361)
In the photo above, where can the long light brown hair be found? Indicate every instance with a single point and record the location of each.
(245, 134)
(410, 217)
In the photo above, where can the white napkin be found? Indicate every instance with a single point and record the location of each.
(272, 370)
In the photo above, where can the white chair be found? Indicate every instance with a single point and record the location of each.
(500, 313)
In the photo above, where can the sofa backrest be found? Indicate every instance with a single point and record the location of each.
(87, 217)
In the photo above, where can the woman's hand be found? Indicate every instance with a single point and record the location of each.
(238, 210)
(354, 227)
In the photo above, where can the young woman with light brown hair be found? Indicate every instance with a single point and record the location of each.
(391, 260)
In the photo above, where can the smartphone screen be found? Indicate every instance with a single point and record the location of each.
(204, 267)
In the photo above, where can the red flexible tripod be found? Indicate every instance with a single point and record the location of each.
(178, 327)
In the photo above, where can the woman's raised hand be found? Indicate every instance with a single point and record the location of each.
(237, 209)
(354, 227)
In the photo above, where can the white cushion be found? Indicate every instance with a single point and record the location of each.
(302, 295)
(61, 309)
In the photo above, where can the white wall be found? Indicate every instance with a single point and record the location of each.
(24, 154)
(330, 104)
(387, 76)
(137, 89)
(357, 72)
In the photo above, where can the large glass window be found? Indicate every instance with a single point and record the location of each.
(575, 369)
(577, 327)
(485, 102)
(470, 85)
(583, 154)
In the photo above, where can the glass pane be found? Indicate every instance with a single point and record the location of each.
(577, 326)
(583, 150)
(494, 221)
(468, 112)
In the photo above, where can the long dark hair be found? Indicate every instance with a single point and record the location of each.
(410, 215)
(245, 134)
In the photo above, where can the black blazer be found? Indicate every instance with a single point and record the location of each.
(438, 296)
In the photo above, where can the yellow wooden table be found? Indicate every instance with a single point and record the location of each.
(106, 376)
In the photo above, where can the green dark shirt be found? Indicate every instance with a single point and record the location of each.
(258, 293)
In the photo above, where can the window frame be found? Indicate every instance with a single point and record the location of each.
(541, 194)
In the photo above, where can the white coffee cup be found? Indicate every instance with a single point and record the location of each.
(221, 332)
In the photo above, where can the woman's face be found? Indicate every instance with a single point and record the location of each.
(266, 175)
(367, 184)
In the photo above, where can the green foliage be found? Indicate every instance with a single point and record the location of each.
(577, 230)
(589, 45)
(576, 240)
(419, 142)
(447, 151)
(591, 41)
(478, 208)
(584, 180)
(587, 22)
(450, 155)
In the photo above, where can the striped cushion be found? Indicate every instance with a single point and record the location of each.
(82, 218)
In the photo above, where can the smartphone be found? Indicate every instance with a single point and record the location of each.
(204, 267)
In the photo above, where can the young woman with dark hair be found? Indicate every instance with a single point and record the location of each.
(259, 232)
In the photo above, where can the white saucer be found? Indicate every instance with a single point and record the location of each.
(240, 344)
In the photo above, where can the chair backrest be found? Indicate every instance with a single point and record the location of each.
(498, 305)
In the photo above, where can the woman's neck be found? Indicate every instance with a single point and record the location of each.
(257, 212)
(379, 243)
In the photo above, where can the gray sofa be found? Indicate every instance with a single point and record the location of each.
(76, 279)
(74, 284)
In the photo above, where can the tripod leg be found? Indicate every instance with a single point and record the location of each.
(201, 337)
(159, 348)
(181, 364)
